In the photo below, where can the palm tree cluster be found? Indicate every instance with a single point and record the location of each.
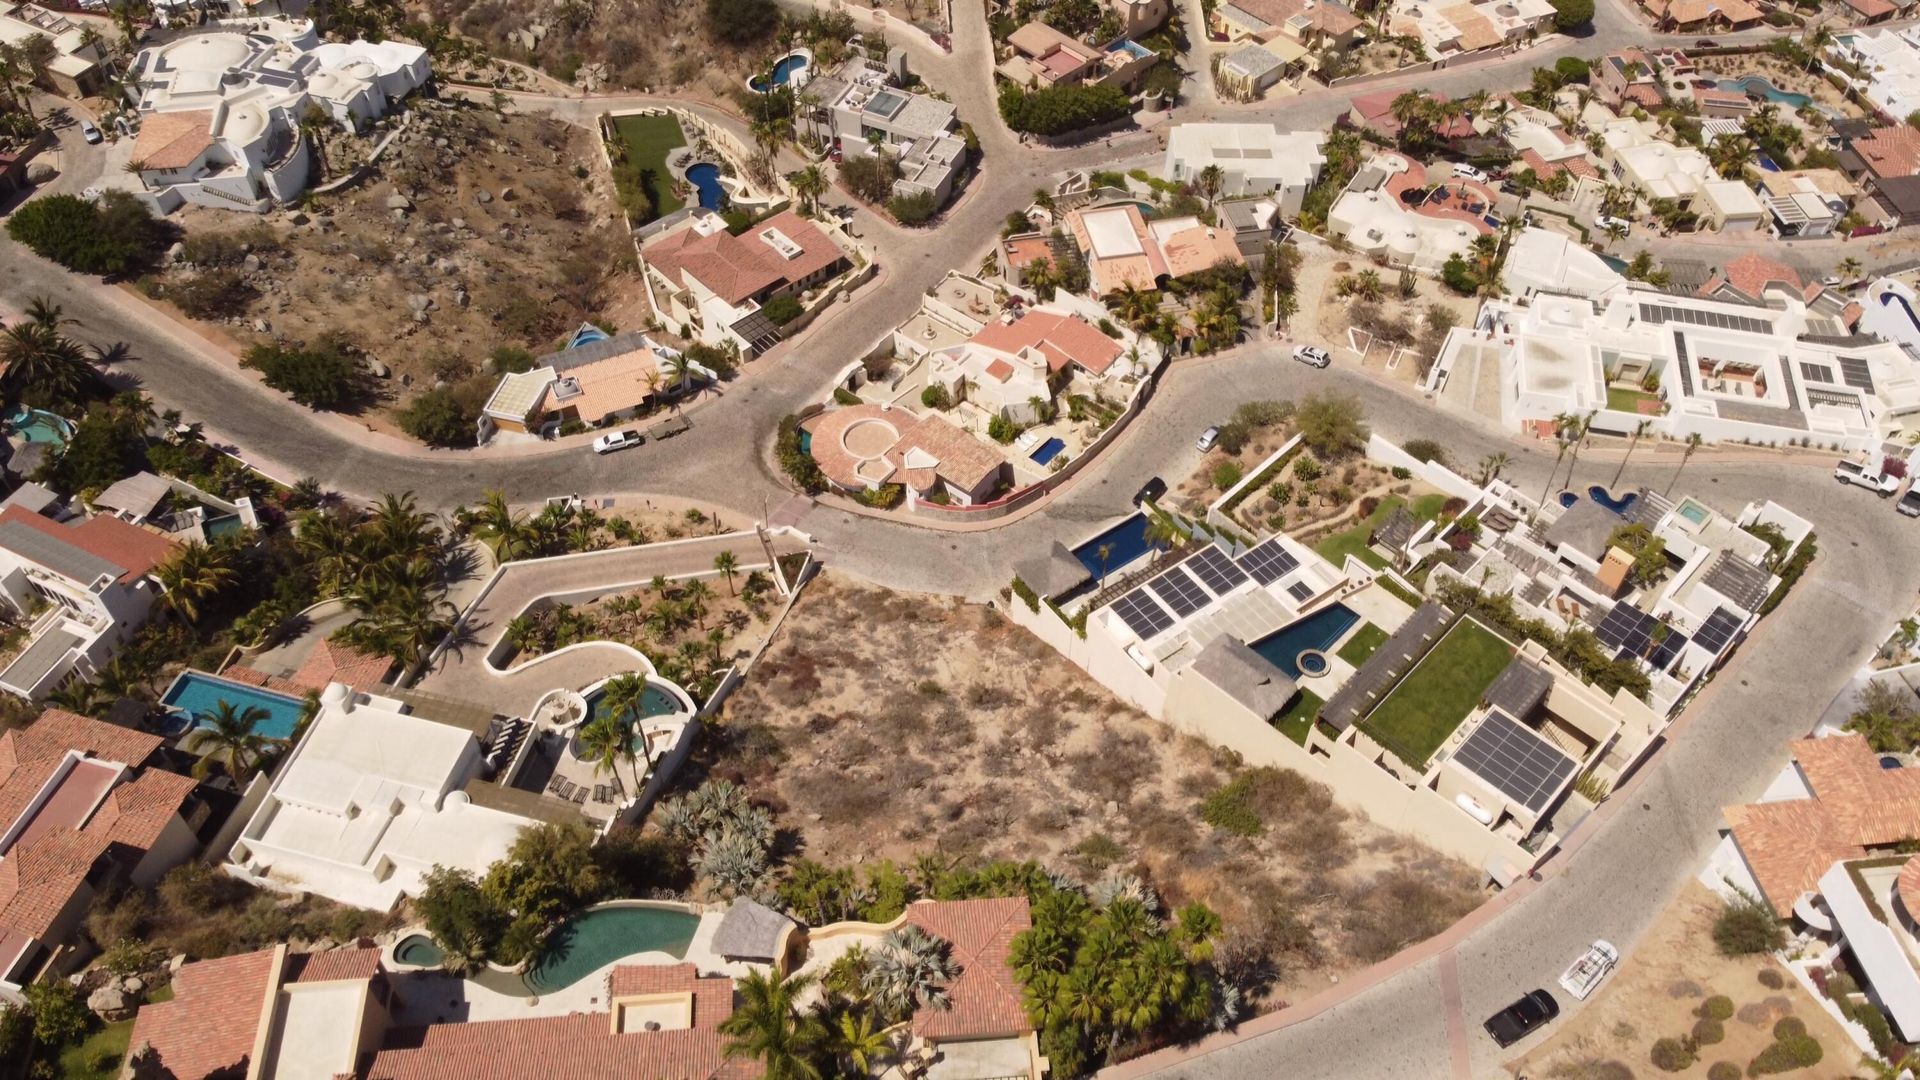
(391, 568)
(558, 529)
(675, 626)
(43, 366)
(225, 737)
(1423, 118)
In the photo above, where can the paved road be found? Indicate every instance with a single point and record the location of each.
(1614, 886)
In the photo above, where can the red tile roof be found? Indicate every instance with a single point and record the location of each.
(209, 1027)
(173, 140)
(580, 1045)
(331, 662)
(735, 268)
(1890, 151)
(1855, 805)
(1064, 339)
(986, 995)
(131, 548)
(241, 673)
(334, 965)
(1750, 274)
(1871, 9)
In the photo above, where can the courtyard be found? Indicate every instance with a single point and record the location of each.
(1416, 718)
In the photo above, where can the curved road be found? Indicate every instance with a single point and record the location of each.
(1421, 1021)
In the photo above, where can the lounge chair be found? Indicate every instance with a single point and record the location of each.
(566, 789)
(599, 793)
(553, 784)
(580, 794)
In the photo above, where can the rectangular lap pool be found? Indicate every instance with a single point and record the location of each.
(1124, 542)
(1317, 631)
(196, 693)
(1048, 451)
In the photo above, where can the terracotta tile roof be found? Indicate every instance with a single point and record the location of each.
(1855, 805)
(1908, 885)
(209, 1027)
(736, 268)
(1476, 30)
(331, 662)
(1871, 9)
(130, 548)
(1578, 166)
(240, 673)
(1750, 274)
(173, 140)
(334, 965)
(954, 455)
(1190, 251)
(1000, 371)
(1022, 251)
(1376, 111)
(1326, 16)
(1890, 151)
(579, 1045)
(1717, 12)
(986, 996)
(1065, 339)
(827, 434)
(1644, 94)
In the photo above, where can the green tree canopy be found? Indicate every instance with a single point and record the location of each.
(1572, 16)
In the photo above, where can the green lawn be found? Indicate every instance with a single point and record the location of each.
(1299, 716)
(1439, 693)
(1621, 399)
(1427, 507)
(98, 1056)
(1361, 645)
(648, 140)
(1353, 539)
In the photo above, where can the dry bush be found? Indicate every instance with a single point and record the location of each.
(1399, 908)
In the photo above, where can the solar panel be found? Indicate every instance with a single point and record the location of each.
(1219, 572)
(1269, 562)
(1631, 632)
(1524, 766)
(1181, 593)
(1142, 616)
(1717, 630)
(1300, 591)
(1815, 372)
(1657, 314)
(1854, 372)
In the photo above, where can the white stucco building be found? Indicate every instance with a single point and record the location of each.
(221, 107)
(1255, 159)
(1891, 59)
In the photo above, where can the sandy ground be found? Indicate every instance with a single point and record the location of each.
(535, 258)
(1653, 994)
(888, 726)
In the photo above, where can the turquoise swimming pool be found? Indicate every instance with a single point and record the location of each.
(195, 694)
(1315, 633)
(1756, 84)
(39, 426)
(597, 938)
(1124, 542)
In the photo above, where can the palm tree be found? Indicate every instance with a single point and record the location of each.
(225, 736)
(1638, 430)
(1491, 465)
(809, 183)
(604, 742)
(1212, 179)
(194, 574)
(78, 695)
(1693, 443)
(1578, 429)
(1849, 268)
(1105, 551)
(1135, 306)
(727, 566)
(42, 365)
(910, 971)
(315, 124)
(856, 1041)
(1560, 422)
(695, 596)
(767, 1025)
(625, 698)
(520, 632)
(331, 546)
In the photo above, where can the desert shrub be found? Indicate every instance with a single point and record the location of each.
(60, 1014)
(1425, 450)
(1226, 474)
(1401, 907)
(915, 209)
(744, 22)
(1723, 1070)
(1060, 109)
(321, 375)
(1572, 15)
(512, 360)
(1717, 1007)
(212, 294)
(870, 176)
(1671, 1055)
(1786, 1054)
(439, 418)
(795, 462)
(1747, 926)
(1789, 1027)
(114, 235)
(935, 396)
(1869, 1016)
(781, 310)
(1707, 1032)
(1771, 979)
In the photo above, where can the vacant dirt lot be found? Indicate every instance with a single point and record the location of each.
(886, 725)
(1655, 992)
(480, 230)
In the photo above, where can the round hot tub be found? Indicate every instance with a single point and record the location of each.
(1312, 662)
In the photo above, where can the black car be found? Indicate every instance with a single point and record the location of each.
(1520, 1019)
(1150, 491)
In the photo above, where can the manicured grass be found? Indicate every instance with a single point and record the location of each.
(1427, 507)
(98, 1056)
(1361, 645)
(1439, 693)
(1621, 399)
(1299, 716)
(1353, 539)
(648, 140)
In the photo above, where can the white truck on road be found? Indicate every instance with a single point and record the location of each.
(1587, 972)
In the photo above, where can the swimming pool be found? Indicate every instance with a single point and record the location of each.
(1048, 451)
(705, 178)
(1694, 512)
(418, 950)
(783, 71)
(655, 702)
(1755, 84)
(1604, 498)
(1314, 633)
(225, 525)
(195, 694)
(1125, 543)
(39, 426)
(1568, 498)
(597, 938)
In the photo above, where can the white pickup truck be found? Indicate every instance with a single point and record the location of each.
(1587, 972)
(1868, 476)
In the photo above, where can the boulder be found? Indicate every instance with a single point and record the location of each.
(260, 326)
(40, 172)
(397, 201)
(419, 302)
(177, 253)
(251, 264)
(483, 196)
(111, 1004)
(459, 223)
(176, 962)
(297, 217)
(379, 370)
(133, 984)
(506, 194)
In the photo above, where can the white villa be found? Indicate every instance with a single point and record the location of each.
(1256, 159)
(1771, 361)
(1637, 156)
(856, 104)
(221, 107)
(1891, 59)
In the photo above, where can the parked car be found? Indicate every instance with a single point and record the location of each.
(1313, 356)
(1206, 440)
(1909, 503)
(1589, 968)
(89, 131)
(1706, 43)
(1608, 223)
(1867, 476)
(618, 440)
(1151, 491)
(1468, 172)
(1522, 1018)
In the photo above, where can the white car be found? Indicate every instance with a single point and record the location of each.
(1312, 356)
(1468, 172)
(1609, 224)
(618, 440)
(89, 132)
(1909, 503)
(1206, 440)
(1589, 968)
(1871, 478)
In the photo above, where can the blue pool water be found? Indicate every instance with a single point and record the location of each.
(1126, 541)
(196, 693)
(782, 72)
(1130, 48)
(1619, 506)
(1568, 498)
(706, 179)
(655, 702)
(1317, 631)
(1754, 84)
(1048, 451)
(39, 426)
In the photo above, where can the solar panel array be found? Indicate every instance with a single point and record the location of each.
(1524, 766)
(1717, 630)
(1855, 373)
(1630, 632)
(1658, 314)
(1213, 567)
(1300, 591)
(1142, 616)
(1813, 372)
(1182, 594)
(1269, 562)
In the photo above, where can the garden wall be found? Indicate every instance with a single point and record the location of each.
(1217, 514)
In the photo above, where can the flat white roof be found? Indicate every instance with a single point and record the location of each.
(1110, 233)
(312, 1031)
(1875, 946)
